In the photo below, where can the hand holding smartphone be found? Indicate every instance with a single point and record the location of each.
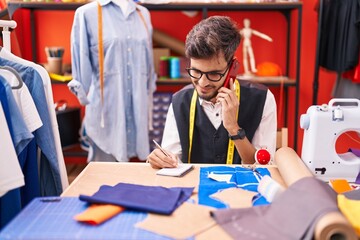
(233, 70)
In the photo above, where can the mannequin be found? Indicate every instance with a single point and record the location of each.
(246, 33)
(115, 120)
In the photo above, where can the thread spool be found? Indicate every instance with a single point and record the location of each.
(164, 67)
(174, 67)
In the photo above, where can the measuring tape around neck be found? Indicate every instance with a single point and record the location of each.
(231, 145)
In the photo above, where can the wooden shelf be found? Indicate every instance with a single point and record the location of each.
(269, 81)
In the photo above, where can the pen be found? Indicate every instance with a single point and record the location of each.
(161, 149)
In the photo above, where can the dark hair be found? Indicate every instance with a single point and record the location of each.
(212, 36)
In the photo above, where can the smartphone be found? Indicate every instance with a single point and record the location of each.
(233, 70)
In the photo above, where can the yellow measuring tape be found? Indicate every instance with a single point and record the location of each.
(101, 63)
(231, 145)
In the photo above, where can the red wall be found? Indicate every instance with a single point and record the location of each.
(53, 28)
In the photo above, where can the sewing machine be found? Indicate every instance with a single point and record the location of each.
(322, 126)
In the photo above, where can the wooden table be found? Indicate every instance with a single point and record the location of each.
(106, 173)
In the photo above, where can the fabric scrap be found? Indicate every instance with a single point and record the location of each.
(235, 197)
(186, 221)
(98, 213)
(340, 185)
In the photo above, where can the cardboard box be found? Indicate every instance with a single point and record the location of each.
(160, 52)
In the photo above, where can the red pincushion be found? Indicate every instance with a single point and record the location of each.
(262, 156)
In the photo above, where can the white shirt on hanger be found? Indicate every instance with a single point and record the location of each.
(11, 176)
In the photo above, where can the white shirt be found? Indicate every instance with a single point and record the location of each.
(24, 101)
(264, 137)
(11, 176)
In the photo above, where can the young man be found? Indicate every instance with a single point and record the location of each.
(204, 116)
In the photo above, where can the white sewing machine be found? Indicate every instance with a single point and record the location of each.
(323, 125)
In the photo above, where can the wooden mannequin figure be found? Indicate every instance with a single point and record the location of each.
(246, 33)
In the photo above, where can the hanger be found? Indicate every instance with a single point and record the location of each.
(13, 71)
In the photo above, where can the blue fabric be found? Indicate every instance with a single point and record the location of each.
(143, 198)
(29, 167)
(243, 178)
(129, 77)
(10, 206)
(21, 135)
(5, 105)
(50, 180)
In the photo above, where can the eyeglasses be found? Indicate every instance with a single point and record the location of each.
(211, 76)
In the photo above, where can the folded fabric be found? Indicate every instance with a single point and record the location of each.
(290, 216)
(139, 197)
(98, 213)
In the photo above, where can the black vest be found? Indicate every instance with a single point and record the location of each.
(210, 145)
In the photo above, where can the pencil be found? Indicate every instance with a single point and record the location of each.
(161, 149)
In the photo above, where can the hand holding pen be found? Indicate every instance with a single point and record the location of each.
(160, 158)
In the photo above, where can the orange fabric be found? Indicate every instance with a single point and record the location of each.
(98, 213)
(340, 185)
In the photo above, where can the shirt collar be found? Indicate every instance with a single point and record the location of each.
(204, 102)
(131, 6)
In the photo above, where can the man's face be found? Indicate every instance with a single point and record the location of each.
(205, 88)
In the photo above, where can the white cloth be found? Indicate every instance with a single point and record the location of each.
(24, 101)
(264, 137)
(50, 104)
(11, 176)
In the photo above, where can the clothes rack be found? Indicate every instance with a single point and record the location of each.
(6, 24)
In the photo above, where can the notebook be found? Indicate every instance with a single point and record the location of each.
(179, 171)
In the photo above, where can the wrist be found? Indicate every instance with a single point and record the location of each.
(240, 134)
(233, 130)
